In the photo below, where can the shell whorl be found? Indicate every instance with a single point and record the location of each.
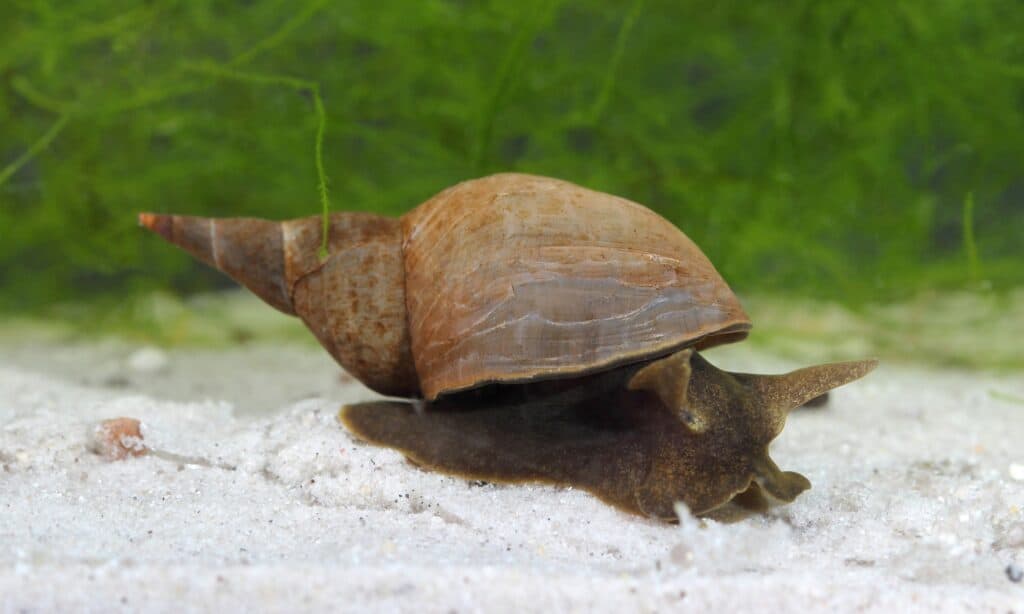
(517, 278)
(354, 301)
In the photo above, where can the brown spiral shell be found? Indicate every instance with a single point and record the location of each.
(508, 278)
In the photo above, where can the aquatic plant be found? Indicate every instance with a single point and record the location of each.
(821, 149)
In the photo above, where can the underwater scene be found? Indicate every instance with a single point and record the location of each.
(562, 271)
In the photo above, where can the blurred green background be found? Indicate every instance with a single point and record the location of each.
(858, 151)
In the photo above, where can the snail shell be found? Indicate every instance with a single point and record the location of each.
(507, 278)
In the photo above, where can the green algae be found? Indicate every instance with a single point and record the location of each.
(848, 152)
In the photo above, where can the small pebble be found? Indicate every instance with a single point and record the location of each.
(1017, 471)
(681, 555)
(148, 360)
(1014, 573)
(118, 438)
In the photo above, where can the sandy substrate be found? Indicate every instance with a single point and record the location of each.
(256, 498)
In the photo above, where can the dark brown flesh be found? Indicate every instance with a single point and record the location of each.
(624, 446)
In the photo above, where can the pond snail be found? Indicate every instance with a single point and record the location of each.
(547, 332)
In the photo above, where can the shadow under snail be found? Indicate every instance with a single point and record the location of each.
(542, 332)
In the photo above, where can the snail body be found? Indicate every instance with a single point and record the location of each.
(514, 285)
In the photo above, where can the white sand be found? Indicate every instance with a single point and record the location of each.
(917, 504)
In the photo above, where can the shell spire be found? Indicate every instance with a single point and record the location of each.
(353, 301)
(248, 250)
